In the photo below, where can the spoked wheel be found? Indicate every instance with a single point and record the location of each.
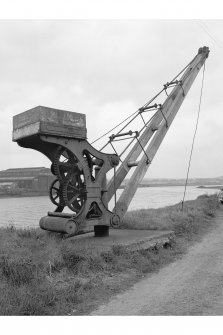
(56, 193)
(74, 192)
(64, 163)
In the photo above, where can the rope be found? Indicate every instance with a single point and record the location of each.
(195, 132)
(205, 28)
(97, 139)
(137, 112)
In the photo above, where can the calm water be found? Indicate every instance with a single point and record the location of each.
(26, 212)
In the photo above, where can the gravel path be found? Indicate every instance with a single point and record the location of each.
(190, 286)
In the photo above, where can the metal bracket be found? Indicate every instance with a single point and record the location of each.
(161, 110)
(171, 84)
(148, 161)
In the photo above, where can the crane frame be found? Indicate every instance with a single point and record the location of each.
(80, 170)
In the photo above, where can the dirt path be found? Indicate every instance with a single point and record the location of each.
(190, 286)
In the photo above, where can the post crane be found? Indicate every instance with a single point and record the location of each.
(81, 170)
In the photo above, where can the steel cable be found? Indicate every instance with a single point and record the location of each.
(195, 132)
(145, 105)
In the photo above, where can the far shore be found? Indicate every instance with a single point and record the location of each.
(41, 194)
(176, 184)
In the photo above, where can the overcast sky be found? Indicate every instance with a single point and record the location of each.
(107, 69)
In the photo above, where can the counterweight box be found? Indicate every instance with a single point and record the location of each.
(49, 121)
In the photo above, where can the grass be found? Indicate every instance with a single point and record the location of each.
(172, 217)
(43, 274)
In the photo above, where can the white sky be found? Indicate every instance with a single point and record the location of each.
(107, 69)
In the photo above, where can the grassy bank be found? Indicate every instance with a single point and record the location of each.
(42, 274)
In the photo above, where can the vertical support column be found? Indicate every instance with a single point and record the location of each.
(104, 196)
(103, 230)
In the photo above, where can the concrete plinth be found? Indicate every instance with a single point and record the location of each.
(132, 239)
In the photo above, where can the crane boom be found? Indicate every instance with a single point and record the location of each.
(156, 131)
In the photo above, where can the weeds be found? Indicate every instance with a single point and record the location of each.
(42, 274)
(71, 259)
(17, 272)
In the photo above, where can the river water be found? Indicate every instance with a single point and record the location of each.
(25, 212)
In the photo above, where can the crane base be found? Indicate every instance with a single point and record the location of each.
(131, 239)
(64, 223)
